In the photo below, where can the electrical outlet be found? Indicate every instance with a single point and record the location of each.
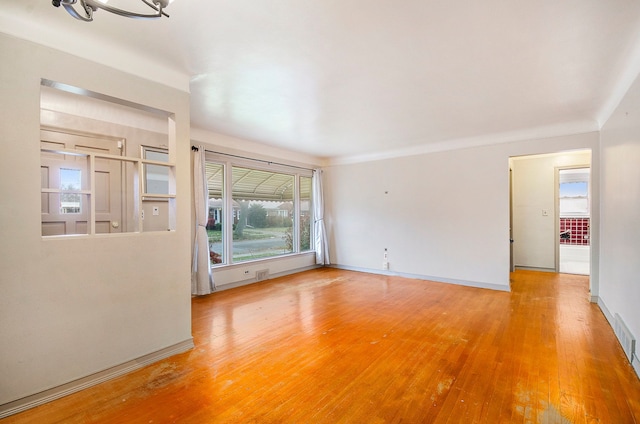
(156, 211)
(385, 260)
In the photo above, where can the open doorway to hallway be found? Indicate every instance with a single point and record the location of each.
(574, 221)
(535, 206)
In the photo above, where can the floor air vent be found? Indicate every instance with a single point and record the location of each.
(625, 337)
(263, 274)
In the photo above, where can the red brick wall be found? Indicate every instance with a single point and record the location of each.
(578, 231)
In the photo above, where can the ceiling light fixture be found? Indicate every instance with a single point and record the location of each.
(90, 6)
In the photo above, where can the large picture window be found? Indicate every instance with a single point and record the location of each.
(256, 212)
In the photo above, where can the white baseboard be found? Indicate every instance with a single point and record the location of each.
(58, 392)
(603, 307)
(534, 268)
(635, 363)
(294, 271)
(248, 281)
(475, 284)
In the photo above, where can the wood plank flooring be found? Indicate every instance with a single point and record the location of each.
(334, 346)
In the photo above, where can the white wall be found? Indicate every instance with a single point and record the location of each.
(443, 216)
(620, 210)
(75, 306)
(534, 189)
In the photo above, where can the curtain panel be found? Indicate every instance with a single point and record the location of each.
(201, 277)
(321, 243)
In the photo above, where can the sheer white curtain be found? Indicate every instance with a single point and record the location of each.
(201, 278)
(321, 243)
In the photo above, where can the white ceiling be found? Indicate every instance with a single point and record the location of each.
(347, 78)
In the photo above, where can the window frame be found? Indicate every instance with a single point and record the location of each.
(144, 149)
(584, 173)
(229, 162)
(130, 187)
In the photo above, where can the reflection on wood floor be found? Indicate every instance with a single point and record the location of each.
(334, 346)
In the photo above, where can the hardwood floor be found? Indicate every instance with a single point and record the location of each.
(333, 346)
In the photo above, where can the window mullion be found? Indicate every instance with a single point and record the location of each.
(92, 194)
(227, 227)
(138, 189)
(296, 214)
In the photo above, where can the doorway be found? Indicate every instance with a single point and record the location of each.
(535, 216)
(574, 220)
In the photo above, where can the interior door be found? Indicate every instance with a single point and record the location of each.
(69, 213)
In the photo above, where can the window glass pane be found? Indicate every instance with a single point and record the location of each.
(70, 179)
(215, 183)
(63, 209)
(156, 177)
(262, 213)
(574, 199)
(305, 214)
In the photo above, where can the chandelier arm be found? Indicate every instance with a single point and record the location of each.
(68, 5)
(156, 5)
(95, 4)
(90, 6)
